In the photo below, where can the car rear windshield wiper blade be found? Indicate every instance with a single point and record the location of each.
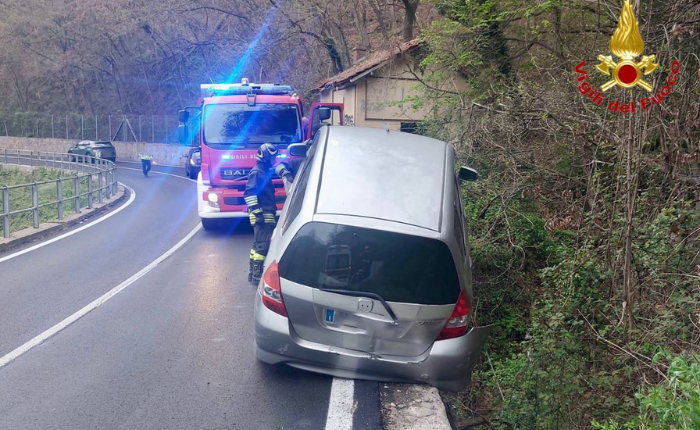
(364, 294)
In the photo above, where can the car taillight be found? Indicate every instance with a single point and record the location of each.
(459, 320)
(272, 291)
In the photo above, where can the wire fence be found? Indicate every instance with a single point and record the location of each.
(123, 128)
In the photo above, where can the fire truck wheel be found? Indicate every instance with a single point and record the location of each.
(209, 224)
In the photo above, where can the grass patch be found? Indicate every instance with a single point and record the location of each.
(21, 198)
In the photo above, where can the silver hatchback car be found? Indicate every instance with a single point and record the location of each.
(368, 274)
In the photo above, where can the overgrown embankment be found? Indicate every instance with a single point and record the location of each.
(585, 225)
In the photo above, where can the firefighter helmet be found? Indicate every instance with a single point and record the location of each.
(266, 152)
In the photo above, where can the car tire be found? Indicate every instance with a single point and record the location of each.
(192, 175)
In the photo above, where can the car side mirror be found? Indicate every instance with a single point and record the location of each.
(297, 149)
(182, 133)
(323, 113)
(468, 174)
(183, 116)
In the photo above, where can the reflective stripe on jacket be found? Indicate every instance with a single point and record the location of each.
(259, 191)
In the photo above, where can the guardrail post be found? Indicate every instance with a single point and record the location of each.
(101, 190)
(76, 190)
(114, 181)
(59, 198)
(35, 205)
(108, 184)
(6, 215)
(89, 186)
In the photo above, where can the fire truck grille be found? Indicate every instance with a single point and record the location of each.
(234, 174)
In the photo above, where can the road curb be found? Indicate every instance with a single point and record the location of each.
(412, 407)
(62, 225)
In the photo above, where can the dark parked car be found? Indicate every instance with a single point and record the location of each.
(193, 164)
(92, 148)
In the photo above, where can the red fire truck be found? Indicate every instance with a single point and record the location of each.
(230, 122)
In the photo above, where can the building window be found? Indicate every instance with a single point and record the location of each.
(409, 127)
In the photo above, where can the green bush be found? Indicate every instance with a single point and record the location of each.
(673, 404)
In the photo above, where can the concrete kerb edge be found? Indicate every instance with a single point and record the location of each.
(412, 407)
(64, 224)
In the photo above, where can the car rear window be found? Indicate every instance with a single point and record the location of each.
(398, 267)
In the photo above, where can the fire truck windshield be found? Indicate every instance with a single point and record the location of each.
(239, 125)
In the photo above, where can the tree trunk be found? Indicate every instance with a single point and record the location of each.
(381, 19)
(411, 6)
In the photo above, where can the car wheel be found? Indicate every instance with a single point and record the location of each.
(192, 174)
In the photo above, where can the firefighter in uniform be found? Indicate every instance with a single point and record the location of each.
(259, 195)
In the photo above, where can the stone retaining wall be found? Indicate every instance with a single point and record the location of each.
(165, 154)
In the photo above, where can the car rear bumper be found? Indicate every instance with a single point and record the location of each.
(447, 365)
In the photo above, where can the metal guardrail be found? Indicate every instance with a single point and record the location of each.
(99, 176)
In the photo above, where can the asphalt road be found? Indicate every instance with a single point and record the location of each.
(174, 350)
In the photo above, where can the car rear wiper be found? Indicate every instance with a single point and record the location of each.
(365, 294)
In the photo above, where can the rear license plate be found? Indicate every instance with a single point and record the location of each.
(330, 315)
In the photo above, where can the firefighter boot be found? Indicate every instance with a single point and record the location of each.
(250, 271)
(257, 271)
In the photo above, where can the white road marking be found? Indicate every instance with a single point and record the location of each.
(161, 173)
(132, 197)
(341, 404)
(87, 309)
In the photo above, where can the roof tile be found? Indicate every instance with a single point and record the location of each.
(373, 60)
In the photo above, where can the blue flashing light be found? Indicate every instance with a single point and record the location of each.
(226, 157)
(282, 156)
(249, 89)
